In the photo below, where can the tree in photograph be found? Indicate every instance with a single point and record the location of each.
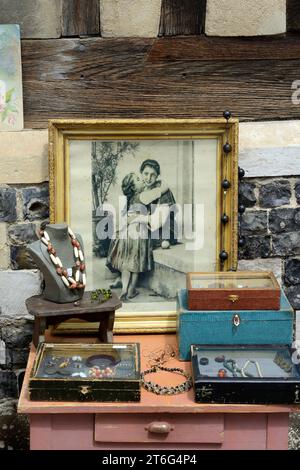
(105, 159)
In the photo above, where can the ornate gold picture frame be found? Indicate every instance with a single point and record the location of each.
(185, 170)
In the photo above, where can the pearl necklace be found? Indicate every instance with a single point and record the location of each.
(78, 270)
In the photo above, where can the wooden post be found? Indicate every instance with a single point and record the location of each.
(182, 17)
(80, 17)
(293, 15)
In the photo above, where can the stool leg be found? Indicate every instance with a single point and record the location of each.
(39, 330)
(36, 332)
(106, 327)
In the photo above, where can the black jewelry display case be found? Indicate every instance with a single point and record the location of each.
(86, 372)
(246, 374)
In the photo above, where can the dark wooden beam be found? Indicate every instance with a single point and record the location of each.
(293, 15)
(182, 17)
(99, 78)
(80, 17)
(205, 48)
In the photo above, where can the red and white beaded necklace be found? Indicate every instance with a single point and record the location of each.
(78, 278)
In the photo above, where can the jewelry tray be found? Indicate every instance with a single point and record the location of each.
(246, 374)
(86, 372)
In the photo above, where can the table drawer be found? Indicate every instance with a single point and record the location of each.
(150, 428)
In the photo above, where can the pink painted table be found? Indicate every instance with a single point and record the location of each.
(186, 425)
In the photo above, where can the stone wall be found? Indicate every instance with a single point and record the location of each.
(24, 204)
(270, 154)
(16, 327)
(271, 226)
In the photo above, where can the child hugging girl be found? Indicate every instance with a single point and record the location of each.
(130, 252)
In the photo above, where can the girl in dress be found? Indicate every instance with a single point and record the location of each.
(130, 252)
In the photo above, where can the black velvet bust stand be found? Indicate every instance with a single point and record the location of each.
(55, 290)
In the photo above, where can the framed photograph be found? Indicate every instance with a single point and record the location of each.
(153, 200)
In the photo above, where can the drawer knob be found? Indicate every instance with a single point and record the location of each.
(233, 298)
(159, 427)
(85, 389)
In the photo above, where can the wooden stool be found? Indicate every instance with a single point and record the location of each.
(48, 313)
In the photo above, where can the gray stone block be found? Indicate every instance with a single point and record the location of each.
(20, 257)
(293, 294)
(275, 194)
(37, 18)
(15, 288)
(292, 272)
(297, 191)
(8, 407)
(16, 336)
(20, 151)
(8, 384)
(16, 357)
(246, 194)
(267, 161)
(258, 246)
(254, 223)
(22, 233)
(286, 244)
(8, 202)
(294, 432)
(284, 220)
(14, 428)
(271, 264)
(36, 202)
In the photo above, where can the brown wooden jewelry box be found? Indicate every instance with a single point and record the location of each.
(233, 291)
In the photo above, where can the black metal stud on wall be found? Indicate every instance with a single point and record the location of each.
(223, 256)
(241, 173)
(242, 210)
(226, 185)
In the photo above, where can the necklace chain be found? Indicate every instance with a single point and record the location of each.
(78, 278)
(156, 360)
(159, 389)
(159, 357)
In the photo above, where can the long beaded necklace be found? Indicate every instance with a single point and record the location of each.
(156, 361)
(76, 280)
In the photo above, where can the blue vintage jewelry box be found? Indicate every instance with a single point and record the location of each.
(232, 327)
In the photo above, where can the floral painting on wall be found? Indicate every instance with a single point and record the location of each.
(11, 96)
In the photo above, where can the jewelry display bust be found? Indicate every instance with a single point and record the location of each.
(58, 243)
